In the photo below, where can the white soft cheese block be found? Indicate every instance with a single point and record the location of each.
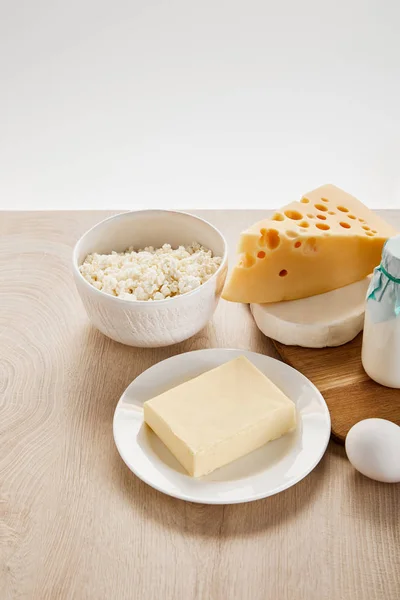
(329, 319)
(220, 416)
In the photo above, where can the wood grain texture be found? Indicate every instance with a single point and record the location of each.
(339, 375)
(75, 523)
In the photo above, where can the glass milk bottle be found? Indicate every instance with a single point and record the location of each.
(381, 341)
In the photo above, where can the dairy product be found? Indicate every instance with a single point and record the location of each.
(152, 273)
(329, 319)
(220, 416)
(381, 341)
(326, 241)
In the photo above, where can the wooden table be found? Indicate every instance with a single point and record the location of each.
(76, 524)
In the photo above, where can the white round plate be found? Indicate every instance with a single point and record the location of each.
(264, 472)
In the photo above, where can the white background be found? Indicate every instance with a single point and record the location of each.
(188, 104)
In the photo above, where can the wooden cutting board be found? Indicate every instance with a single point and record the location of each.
(349, 393)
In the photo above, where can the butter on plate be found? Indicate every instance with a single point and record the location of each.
(220, 416)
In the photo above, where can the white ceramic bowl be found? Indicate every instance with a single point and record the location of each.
(162, 322)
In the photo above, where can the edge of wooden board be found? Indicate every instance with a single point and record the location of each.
(348, 391)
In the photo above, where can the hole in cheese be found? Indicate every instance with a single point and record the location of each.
(297, 244)
(304, 224)
(351, 216)
(310, 216)
(366, 228)
(374, 231)
(271, 238)
(293, 214)
(278, 217)
(324, 199)
(320, 207)
(361, 220)
(343, 209)
(283, 273)
(261, 254)
(331, 212)
(345, 225)
(322, 226)
(248, 260)
(305, 200)
(322, 217)
(369, 233)
(310, 245)
(291, 233)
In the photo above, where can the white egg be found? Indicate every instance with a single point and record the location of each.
(373, 448)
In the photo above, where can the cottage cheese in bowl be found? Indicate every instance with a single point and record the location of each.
(150, 278)
(151, 273)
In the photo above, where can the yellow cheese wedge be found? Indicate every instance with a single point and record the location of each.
(220, 416)
(326, 241)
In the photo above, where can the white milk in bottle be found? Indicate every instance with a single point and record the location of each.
(381, 340)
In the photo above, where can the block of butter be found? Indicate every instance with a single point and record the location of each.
(220, 416)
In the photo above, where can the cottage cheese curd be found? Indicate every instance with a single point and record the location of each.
(151, 273)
